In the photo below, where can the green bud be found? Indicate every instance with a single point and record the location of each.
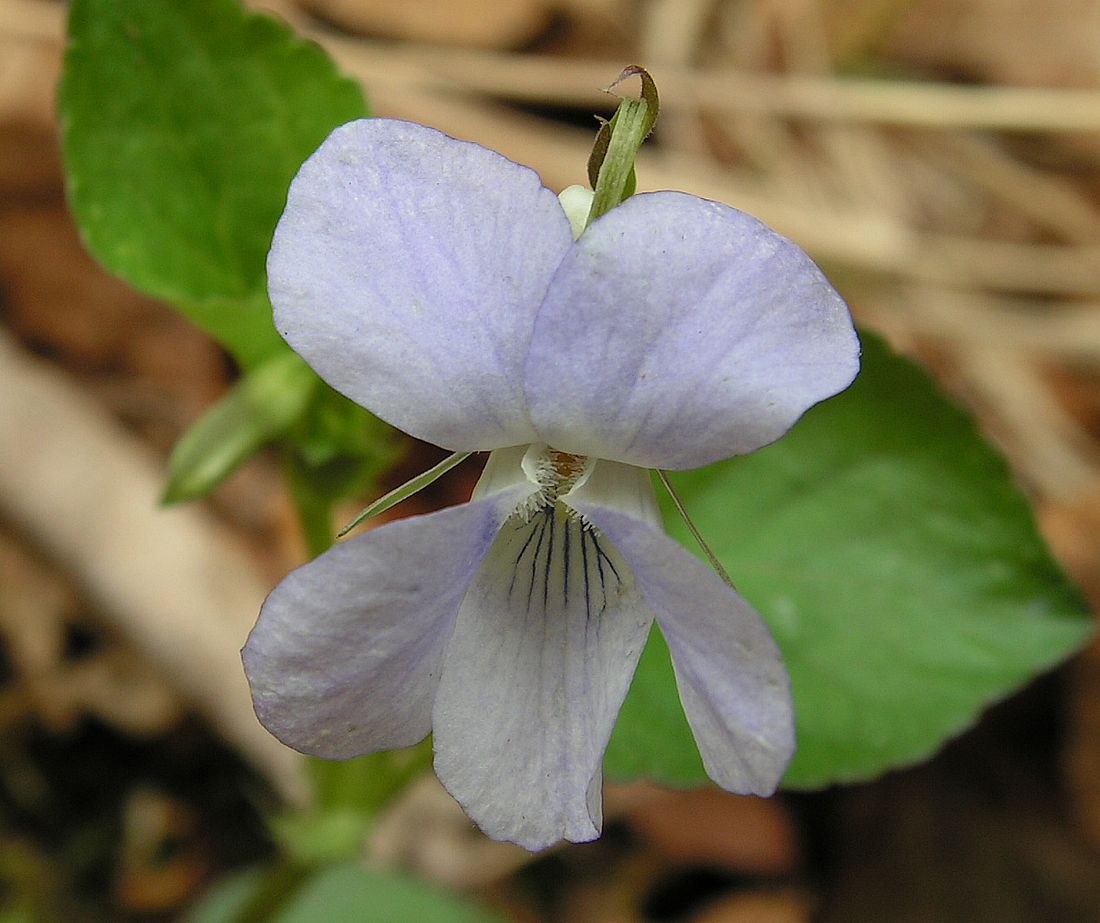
(262, 406)
(611, 164)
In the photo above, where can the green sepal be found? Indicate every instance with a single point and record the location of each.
(262, 406)
(406, 490)
(611, 163)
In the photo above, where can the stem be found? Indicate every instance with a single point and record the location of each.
(314, 510)
(315, 517)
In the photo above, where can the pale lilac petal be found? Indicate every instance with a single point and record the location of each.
(679, 331)
(621, 487)
(346, 656)
(503, 471)
(733, 685)
(407, 270)
(540, 660)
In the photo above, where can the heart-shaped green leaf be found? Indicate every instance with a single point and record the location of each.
(183, 124)
(898, 566)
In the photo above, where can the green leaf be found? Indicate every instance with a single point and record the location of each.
(336, 427)
(350, 894)
(898, 566)
(338, 893)
(263, 405)
(341, 448)
(182, 126)
(652, 739)
(229, 898)
(309, 838)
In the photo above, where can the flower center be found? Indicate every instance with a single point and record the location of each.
(556, 473)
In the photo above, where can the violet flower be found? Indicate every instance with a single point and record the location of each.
(440, 286)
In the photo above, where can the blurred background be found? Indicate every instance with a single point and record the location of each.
(941, 161)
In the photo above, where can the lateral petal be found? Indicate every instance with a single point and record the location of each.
(542, 654)
(347, 653)
(678, 332)
(733, 685)
(407, 270)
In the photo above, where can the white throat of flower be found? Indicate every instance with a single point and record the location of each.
(565, 484)
(556, 473)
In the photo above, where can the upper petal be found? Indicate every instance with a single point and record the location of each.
(730, 673)
(540, 660)
(346, 656)
(679, 331)
(407, 270)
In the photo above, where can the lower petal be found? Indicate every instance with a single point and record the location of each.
(346, 656)
(542, 654)
(733, 685)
